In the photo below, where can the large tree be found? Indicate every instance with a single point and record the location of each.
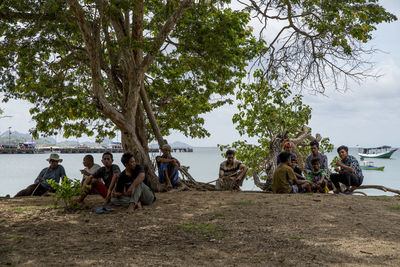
(317, 44)
(144, 67)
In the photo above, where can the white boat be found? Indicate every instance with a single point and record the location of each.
(383, 152)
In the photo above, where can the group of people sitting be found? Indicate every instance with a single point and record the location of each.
(288, 178)
(131, 187)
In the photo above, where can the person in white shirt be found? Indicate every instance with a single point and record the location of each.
(90, 167)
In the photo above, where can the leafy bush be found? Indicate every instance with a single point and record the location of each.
(66, 192)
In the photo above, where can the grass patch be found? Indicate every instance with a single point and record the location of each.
(14, 237)
(30, 208)
(3, 220)
(206, 230)
(297, 237)
(394, 208)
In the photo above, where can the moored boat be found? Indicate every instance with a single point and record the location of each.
(369, 165)
(383, 152)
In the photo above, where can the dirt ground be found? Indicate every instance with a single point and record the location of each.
(205, 228)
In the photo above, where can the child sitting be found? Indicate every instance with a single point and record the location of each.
(317, 177)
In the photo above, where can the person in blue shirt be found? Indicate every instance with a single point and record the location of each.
(349, 173)
(40, 186)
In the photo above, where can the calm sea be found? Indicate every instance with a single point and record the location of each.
(20, 170)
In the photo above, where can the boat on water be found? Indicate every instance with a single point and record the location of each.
(383, 152)
(369, 165)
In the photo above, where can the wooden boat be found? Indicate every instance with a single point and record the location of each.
(383, 152)
(369, 165)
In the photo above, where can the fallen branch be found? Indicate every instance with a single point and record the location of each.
(379, 187)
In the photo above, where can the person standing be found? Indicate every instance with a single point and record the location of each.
(40, 186)
(349, 173)
(132, 189)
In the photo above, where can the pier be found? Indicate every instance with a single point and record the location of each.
(79, 150)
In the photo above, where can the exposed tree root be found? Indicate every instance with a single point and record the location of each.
(379, 187)
(191, 184)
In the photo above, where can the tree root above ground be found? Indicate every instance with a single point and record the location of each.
(378, 187)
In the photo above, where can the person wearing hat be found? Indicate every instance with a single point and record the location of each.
(168, 167)
(54, 172)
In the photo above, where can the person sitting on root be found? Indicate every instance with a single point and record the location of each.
(168, 168)
(133, 189)
(231, 173)
(284, 178)
(90, 167)
(103, 180)
(349, 174)
(315, 154)
(54, 172)
(287, 147)
(317, 176)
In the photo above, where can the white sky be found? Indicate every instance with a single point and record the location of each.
(368, 115)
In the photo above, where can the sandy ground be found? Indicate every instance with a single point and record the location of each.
(205, 228)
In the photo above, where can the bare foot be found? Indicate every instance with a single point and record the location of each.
(139, 205)
(130, 210)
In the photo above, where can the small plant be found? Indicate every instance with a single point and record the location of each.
(333, 163)
(395, 208)
(205, 230)
(66, 192)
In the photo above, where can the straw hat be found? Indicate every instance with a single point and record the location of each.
(55, 157)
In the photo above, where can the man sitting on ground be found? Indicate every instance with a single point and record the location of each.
(168, 167)
(349, 174)
(284, 179)
(90, 167)
(323, 160)
(231, 173)
(41, 186)
(103, 180)
(317, 177)
(133, 189)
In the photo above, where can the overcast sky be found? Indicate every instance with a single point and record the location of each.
(367, 115)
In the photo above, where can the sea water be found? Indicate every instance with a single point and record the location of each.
(20, 170)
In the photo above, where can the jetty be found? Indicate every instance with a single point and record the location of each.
(78, 150)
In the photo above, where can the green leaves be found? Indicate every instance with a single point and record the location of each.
(43, 59)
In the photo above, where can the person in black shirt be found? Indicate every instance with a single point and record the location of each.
(102, 182)
(132, 189)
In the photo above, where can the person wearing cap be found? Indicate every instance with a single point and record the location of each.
(168, 167)
(287, 147)
(40, 186)
(231, 173)
(323, 160)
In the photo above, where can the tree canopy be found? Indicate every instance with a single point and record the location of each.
(44, 60)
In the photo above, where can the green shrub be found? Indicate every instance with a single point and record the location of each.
(66, 192)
